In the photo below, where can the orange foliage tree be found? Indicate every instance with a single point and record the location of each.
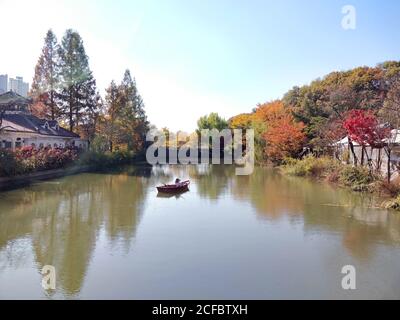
(269, 111)
(284, 136)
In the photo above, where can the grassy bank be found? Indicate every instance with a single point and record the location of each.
(356, 178)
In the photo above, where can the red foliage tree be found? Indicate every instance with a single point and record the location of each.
(364, 128)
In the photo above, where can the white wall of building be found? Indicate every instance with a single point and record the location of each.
(14, 140)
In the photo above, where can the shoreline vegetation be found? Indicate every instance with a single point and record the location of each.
(343, 128)
(360, 106)
(356, 178)
(22, 175)
(28, 160)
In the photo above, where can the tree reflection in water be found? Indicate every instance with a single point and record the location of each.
(59, 222)
(63, 220)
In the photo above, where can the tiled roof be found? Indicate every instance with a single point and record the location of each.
(12, 97)
(31, 123)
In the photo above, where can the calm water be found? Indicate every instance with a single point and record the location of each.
(259, 237)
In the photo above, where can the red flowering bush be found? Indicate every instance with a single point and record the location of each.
(25, 152)
(32, 159)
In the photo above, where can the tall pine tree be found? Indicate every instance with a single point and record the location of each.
(133, 117)
(78, 93)
(45, 81)
(111, 123)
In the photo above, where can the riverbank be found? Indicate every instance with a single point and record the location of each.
(358, 179)
(21, 175)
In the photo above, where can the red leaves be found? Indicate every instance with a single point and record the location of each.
(363, 127)
(44, 158)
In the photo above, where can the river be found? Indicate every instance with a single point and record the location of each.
(263, 236)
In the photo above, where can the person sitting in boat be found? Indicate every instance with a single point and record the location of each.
(177, 181)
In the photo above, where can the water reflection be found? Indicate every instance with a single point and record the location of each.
(322, 208)
(212, 181)
(62, 219)
(175, 195)
(62, 222)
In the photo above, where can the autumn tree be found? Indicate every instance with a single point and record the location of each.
(46, 80)
(110, 122)
(269, 111)
(390, 114)
(241, 121)
(284, 136)
(124, 122)
(364, 128)
(338, 92)
(133, 120)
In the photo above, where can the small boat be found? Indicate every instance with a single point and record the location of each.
(174, 188)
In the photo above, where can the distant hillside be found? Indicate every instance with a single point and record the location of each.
(338, 92)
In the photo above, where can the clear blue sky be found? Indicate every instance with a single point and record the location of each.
(191, 57)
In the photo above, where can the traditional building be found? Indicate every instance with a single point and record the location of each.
(18, 127)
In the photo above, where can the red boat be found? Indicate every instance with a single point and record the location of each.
(174, 188)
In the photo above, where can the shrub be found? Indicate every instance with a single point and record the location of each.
(311, 167)
(45, 158)
(394, 204)
(93, 158)
(358, 178)
(101, 161)
(29, 159)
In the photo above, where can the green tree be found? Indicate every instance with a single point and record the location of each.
(46, 79)
(78, 93)
(212, 121)
(90, 119)
(133, 118)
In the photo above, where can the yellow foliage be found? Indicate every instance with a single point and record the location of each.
(241, 121)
